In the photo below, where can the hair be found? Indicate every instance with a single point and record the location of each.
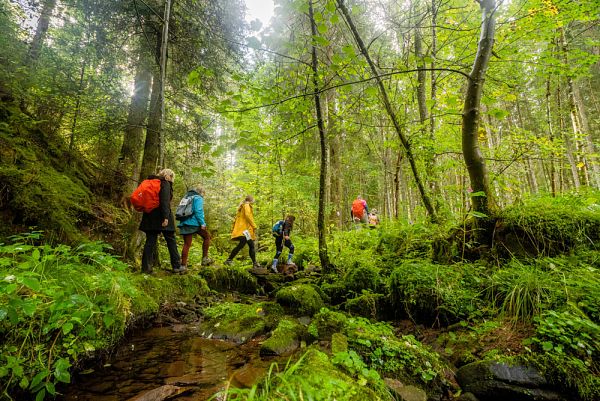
(359, 197)
(167, 174)
(248, 198)
(290, 218)
(200, 189)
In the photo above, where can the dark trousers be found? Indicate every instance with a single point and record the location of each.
(242, 241)
(279, 243)
(187, 244)
(151, 239)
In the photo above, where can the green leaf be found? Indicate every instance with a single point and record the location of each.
(547, 346)
(322, 28)
(40, 395)
(37, 379)
(67, 327)
(31, 282)
(50, 388)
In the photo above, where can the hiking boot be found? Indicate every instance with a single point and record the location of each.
(228, 262)
(256, 266)
(274, 269)
(180, 269)
(207, 261)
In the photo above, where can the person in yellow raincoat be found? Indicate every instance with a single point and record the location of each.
(244, 230)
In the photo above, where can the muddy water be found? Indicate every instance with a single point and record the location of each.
(177, 359)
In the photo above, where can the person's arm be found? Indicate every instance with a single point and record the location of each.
(366, 207)
(164, 198)
(199, 210)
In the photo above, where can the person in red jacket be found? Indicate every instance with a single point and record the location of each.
(360, 210)
(161, 221)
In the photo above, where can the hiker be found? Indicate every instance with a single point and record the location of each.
(359, 210)
(281, 231)
(160, 220)
(194, 224)
(244, 230)
(373, 219)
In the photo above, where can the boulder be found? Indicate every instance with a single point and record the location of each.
(301, 299)
(285, 338)
(495, 381)
(405, 393)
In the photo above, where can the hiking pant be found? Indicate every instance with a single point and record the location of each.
(148, 256)
(279, 243)
(187, 244)
(242, 241)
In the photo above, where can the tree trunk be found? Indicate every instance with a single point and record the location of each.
(474, 160)
(323, 256)
(391, 113)
(77, 108)
(152, 144)
(592, 158)
(568, 143)
(131, 149)
(41, 30)
(551, 168)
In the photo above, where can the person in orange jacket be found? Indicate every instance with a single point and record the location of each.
(244, 230)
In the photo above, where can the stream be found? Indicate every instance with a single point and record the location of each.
(170, 360)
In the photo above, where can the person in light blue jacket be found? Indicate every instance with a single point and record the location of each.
(195, 224)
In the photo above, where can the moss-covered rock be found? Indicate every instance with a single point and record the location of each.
(302, 299)
(429, 292)
(366, 305)
(240, 322)
(285, 338)
(326, 323)
(317, 378)
(549, 225)
(230, 278)
(362, 277)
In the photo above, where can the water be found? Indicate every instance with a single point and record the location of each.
(179, 359)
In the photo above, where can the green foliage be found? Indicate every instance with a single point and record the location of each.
(404, 358)
(315, 377)
(523, 291)
(432, 292)
(355, 366)
(361, 278)
(367, 304)
(61, 304)
(566, 349)
(327, 322)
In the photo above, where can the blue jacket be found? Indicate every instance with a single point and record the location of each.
(196, 219)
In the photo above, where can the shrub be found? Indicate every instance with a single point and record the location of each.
(361, 278)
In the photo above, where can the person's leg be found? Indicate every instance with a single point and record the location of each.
(172, 247)
(241, 242)
(279, 249)
(252, 251)
(205, 242)
(288, 243)
(187, 243)
(147, 257)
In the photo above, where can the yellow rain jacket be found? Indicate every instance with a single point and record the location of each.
(244, 220)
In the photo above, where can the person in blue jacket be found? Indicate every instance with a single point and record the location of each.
(195, 224)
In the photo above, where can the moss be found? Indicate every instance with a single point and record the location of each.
(301, 299)
(316, 378)
(362, 277)
(339, 343)
(240, 322)
(285, 338)
(230, 278)
(326, 323)
(432, 293)
(366, 305)
(549, 226)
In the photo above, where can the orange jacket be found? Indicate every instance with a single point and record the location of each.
(244, 220)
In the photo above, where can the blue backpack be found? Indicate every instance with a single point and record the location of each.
(278, 228)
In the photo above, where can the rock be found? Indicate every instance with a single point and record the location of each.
(405, 393)
(248, 376)
(466, 397)
(285, 338)
(301, 299)
(494, 381)
(159, 394)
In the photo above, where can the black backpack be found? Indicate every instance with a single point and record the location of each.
(185, 208)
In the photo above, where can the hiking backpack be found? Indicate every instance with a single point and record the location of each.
(185, 208)
(278, 228)
(358, 208)
(145, 197)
